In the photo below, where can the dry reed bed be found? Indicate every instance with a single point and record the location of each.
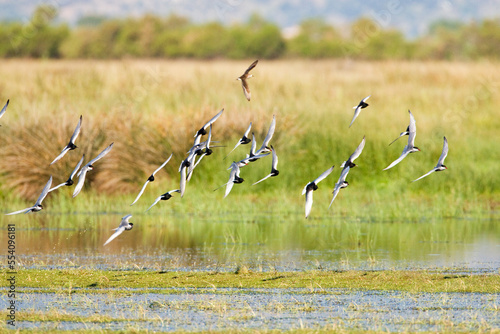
(153, 108)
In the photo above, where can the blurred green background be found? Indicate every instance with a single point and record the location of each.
(176, 36)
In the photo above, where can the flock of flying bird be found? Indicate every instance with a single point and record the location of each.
(201, 149)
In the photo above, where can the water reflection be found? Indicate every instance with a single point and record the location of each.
(264, 242)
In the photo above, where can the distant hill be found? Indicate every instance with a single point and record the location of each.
(413, 18)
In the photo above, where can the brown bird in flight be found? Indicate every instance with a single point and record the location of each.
(243, 78)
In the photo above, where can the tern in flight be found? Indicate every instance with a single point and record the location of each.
(346, 167)
(203, 130)
(410, 147)
(234, 177)
(252, 156)
(265, 145)
(4, 109)
(38, 204)
(243, 140)
(253, 146)
(312, 186)
(183, 169)
(274, 170)
(71, 145)
(341, 183)
(207, 151)
(69, 182)
(125, 225)
(362, 104)
(244, 162)
(440, 165)
(350, 162)
(404, 133)
(243, 78)
(166, 196)
(151, 178)
(88, 167)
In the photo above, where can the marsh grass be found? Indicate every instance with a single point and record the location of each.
(83, 281)
(60, 316)
(151, 109)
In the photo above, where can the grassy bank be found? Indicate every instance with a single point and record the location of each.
(98, 281)
(153, 108)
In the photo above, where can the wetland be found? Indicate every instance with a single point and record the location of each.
(389, 255)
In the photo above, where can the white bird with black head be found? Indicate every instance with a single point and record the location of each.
(313, 186)
(243, 140)
(164, 197)
(203, 130)
(125, 225)
(361, 105)
(410, 147)
(38, 204)
(274, 168)
(440, 164)
(151, 178)
(88, 167)
(71, 145)
(69, 182)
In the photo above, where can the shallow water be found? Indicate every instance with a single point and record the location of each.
(265, 242)
(269, 309)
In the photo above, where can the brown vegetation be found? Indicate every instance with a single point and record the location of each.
(153, 108)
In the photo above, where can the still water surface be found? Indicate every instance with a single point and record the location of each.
(262, 242)
(285, 309)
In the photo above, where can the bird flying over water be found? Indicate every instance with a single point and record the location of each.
(38, 204)
(244, 162)
(252, 156)
(341, 183)
(206, 151)
(346, 167)
(166, 196)
(184, 168)
(440, 165)
(274, 170)
(203, 130)
(151, 178)
(243, 140)
(410, 147)
(362, 104)
(88, 167)
(404, 133)
(313, 186)
(349, 163)
(253, 146)
(234, 177)
(125, 225)
(71, 145)
(265, 144)
(69, 182)
(243, 78)
(4, 109)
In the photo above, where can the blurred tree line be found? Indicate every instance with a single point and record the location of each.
(175, 36)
